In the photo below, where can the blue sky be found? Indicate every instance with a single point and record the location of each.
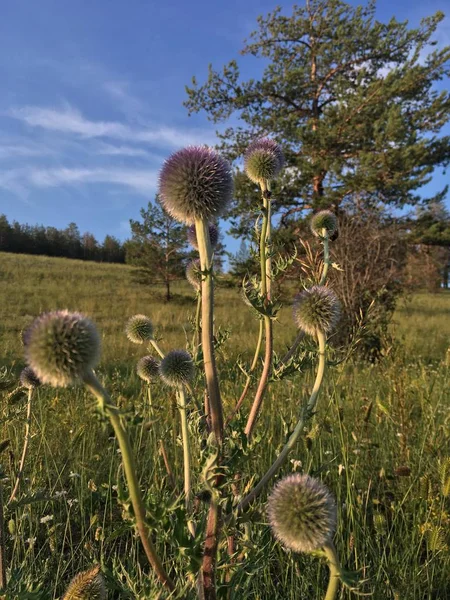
(92, 96)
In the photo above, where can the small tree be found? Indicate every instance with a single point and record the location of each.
(158, 245)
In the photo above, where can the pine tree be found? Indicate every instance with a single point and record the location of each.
(354, 102)
(158, 245)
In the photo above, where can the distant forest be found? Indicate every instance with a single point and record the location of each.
(50, 241)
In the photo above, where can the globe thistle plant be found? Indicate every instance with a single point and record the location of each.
(316, 309)
(324, 220)
(195, 183)
(263, 160)
(147, 368)
(29, 379)
(177, 368)
(193, 274)
(213, 236)
(89, 585)
(139, 329)
(62, 347)
(302, 513)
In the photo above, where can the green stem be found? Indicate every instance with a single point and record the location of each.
(306, 413)
(326, 257)
(129, 465)
(186, 456)
(266, 285)
(25, 447)
(249, 375)
(335, 571)
(198, 329)
(207, 293)
(155, 345)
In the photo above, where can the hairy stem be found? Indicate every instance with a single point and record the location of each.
(306, 414)
(212, 380)
(335, 571)
(25, 447)
(106, 404)
(210, 550)
(186, 456)
(326, 257)
(266, 285)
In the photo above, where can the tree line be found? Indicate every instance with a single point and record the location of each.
(50, 241)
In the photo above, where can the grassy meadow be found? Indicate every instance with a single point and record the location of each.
(380, 440)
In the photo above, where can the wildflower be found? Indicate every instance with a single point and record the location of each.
(139, 329)
(147, 368)
(302, 513)
(177, 368)
(213, 236)
(195, 183)
(316, 309)
(324, 220)
(62, 347)
(263, 160)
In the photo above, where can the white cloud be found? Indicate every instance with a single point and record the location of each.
(70, 120)
(140, 181)
(110, 150)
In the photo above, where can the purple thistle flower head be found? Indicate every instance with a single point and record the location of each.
(195, 183)
(213, 236)
(62, 347)
(263, 160)
(302, 513)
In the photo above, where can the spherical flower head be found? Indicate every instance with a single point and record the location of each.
(213, 236)
(193, 274)
(195, 183)
(263, 160)
(62, 347)
(89, 585)
(147, 368)
(177, 368)
(29, 379)
(139, 329)
(302, 513)
(316, 309)
(324, 219)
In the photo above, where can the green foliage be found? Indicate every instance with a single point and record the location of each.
(158, 245)
(353, 101)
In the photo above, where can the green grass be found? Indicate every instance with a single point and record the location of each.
(379, 441)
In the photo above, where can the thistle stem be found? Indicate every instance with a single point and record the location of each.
(186, 456)
(198, 328)
(326, 257)
(25, 447)
(155, 345)
(335, 571)
(106, 404)
(266, 284)
(207, 293)
(306, 414)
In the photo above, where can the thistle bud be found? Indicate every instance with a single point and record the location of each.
(195, 183)
(139, 329)
(177, 368)
(62, 347)
(324, 219)
(316, 309)
(147, 368)
(263, 160)
(193, 274)
(302, 513)
(29, 379)
(213, 236)
(89, 585)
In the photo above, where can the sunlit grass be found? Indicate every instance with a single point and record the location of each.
(378, 439)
